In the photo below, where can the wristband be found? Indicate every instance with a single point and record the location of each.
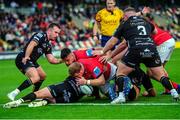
(88, 82)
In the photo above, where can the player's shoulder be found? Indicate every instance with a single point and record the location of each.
(102, 11)
(38, 36)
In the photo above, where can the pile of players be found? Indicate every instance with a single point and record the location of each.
(114, 72)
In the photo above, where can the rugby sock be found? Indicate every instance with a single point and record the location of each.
(175, 85)
(29, 97)
(25, 85)
(37, 85)
(166, 83)
(120, 82)
(146, 81)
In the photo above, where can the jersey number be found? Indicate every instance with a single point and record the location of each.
(142, 30)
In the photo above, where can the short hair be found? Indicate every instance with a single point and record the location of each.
(129, 9)
(74, 68)
(52, 25)
(65, 52)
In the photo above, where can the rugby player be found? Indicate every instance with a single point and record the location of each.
(64, 92)
(97, 74)
(141, 49)
(26, 60)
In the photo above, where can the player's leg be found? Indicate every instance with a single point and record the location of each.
(126, 66)
(159, 75)
(42, 76)
(165, 51)
(33, 76)
(122, 81)
(43, 93)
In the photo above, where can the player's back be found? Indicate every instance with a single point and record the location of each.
(136, 31)
(94, 68)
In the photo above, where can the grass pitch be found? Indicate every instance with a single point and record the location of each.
(160, 107)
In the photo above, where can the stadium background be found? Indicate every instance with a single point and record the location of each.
(20, 18)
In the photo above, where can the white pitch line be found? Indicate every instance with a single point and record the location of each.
(108, 104)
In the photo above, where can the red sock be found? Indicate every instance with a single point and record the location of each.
(175, 85)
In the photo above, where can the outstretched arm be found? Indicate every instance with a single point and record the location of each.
(51, 59)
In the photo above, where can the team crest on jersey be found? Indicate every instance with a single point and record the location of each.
(89, 52)
(97, 71)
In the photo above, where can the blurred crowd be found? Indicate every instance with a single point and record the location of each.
(16, 28)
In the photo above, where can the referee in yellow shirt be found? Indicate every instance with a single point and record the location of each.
(107, 20)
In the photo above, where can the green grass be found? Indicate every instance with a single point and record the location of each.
(10, 78)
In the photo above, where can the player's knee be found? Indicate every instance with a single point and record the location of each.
(35, 79)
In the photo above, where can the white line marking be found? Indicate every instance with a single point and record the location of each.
(108, 104)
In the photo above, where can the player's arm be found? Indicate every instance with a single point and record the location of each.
(119, 48)
(29, 50)
(95, 32)
(94, 82)
(109, 45)
(51, 59)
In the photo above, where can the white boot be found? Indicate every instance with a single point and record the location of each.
(38, 104)
(120, 99)
(174, 94)
(13, 94)
(13, 104)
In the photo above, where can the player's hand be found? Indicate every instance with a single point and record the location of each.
(81, 81)
(97, 52)
(25, 59)
(105, 59)
(150, 93)
(146, 10)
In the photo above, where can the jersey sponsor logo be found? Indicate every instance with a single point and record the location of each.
(96, 71)
(146, 53)
(89, 52)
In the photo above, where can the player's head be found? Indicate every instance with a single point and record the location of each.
(53, 31)
(128, 12)
(67, 56)
(110, 5)
(76, 69)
